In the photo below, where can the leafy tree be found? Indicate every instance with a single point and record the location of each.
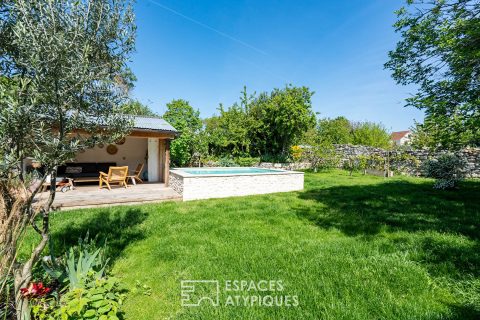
(266, 125)
(62, 61)
(439, 53)
(318, 151)
(342, 131)
(336, 131)
(230, 132)
(370, 134)
(187, 120)
(281, 119)
(135, 107)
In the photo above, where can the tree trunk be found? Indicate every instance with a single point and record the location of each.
(23, 277)
(23, 273)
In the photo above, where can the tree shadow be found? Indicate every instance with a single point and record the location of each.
(114, 228)
(397, 206)
(434, 219)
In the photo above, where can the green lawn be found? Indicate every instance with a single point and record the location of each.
(356, 247)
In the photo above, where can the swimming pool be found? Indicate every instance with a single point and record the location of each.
(221, 182)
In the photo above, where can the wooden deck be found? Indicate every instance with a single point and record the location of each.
(91, 196)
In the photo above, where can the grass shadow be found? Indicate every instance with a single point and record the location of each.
(117, 228)
(366, 209)
(443, 227)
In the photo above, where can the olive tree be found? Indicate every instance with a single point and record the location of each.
(62, 63)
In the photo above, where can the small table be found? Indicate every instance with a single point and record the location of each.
(65, 185)
(132, 178)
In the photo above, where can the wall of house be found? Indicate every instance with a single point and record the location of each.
(131, 153)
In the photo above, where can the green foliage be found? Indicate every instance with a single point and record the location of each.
(322, 157)
(443, 132)
(439, 54)
(182, 116)
(186, 120)
(7, 299)
(336, 131)
(98, 299)
(247, 161)
(81, 263)
(275, 158)
(85, 291)
(65, 62)
(370, 134)
(226, 162)
(356, 163)
(230, 132)
(376, 162)
(342, 131)
(281, 118)
(447, 169)
(403, 162)
(261, 125)
(136, 108)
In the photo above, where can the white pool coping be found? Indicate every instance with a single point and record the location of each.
(180, 172)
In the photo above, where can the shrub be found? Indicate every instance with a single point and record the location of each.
(275, 158)
(322, 157)
(99, 299)
(247, 161)
(226, 162)
(376, 162)
(78, 264)
(356, 163)
(447, 169)
(7, 299)
(296, 152)
(83, 288)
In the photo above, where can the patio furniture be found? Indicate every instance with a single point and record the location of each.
(115, 175)
(135, 176)
(64, 184)
(84, 171)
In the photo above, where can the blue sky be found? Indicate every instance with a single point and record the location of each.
(206, 51)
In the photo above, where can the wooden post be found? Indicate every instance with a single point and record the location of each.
(167, 162)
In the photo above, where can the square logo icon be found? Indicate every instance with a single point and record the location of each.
(196, 292)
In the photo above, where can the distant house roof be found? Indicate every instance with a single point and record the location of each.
(155, 124)
(399, 135)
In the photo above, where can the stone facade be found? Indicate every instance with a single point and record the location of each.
(285, 166)
(193, 187)
(175, 182)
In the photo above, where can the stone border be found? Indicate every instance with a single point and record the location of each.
(194, 187)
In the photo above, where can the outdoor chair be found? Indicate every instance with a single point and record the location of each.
(135, 176)
(115, 175)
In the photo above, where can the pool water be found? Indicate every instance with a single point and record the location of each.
(200, 171)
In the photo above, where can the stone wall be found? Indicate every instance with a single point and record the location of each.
(193, 187)
(285, 166)
(176, 182)
(471, 156)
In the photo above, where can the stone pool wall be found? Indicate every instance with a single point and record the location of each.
(194, 187)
